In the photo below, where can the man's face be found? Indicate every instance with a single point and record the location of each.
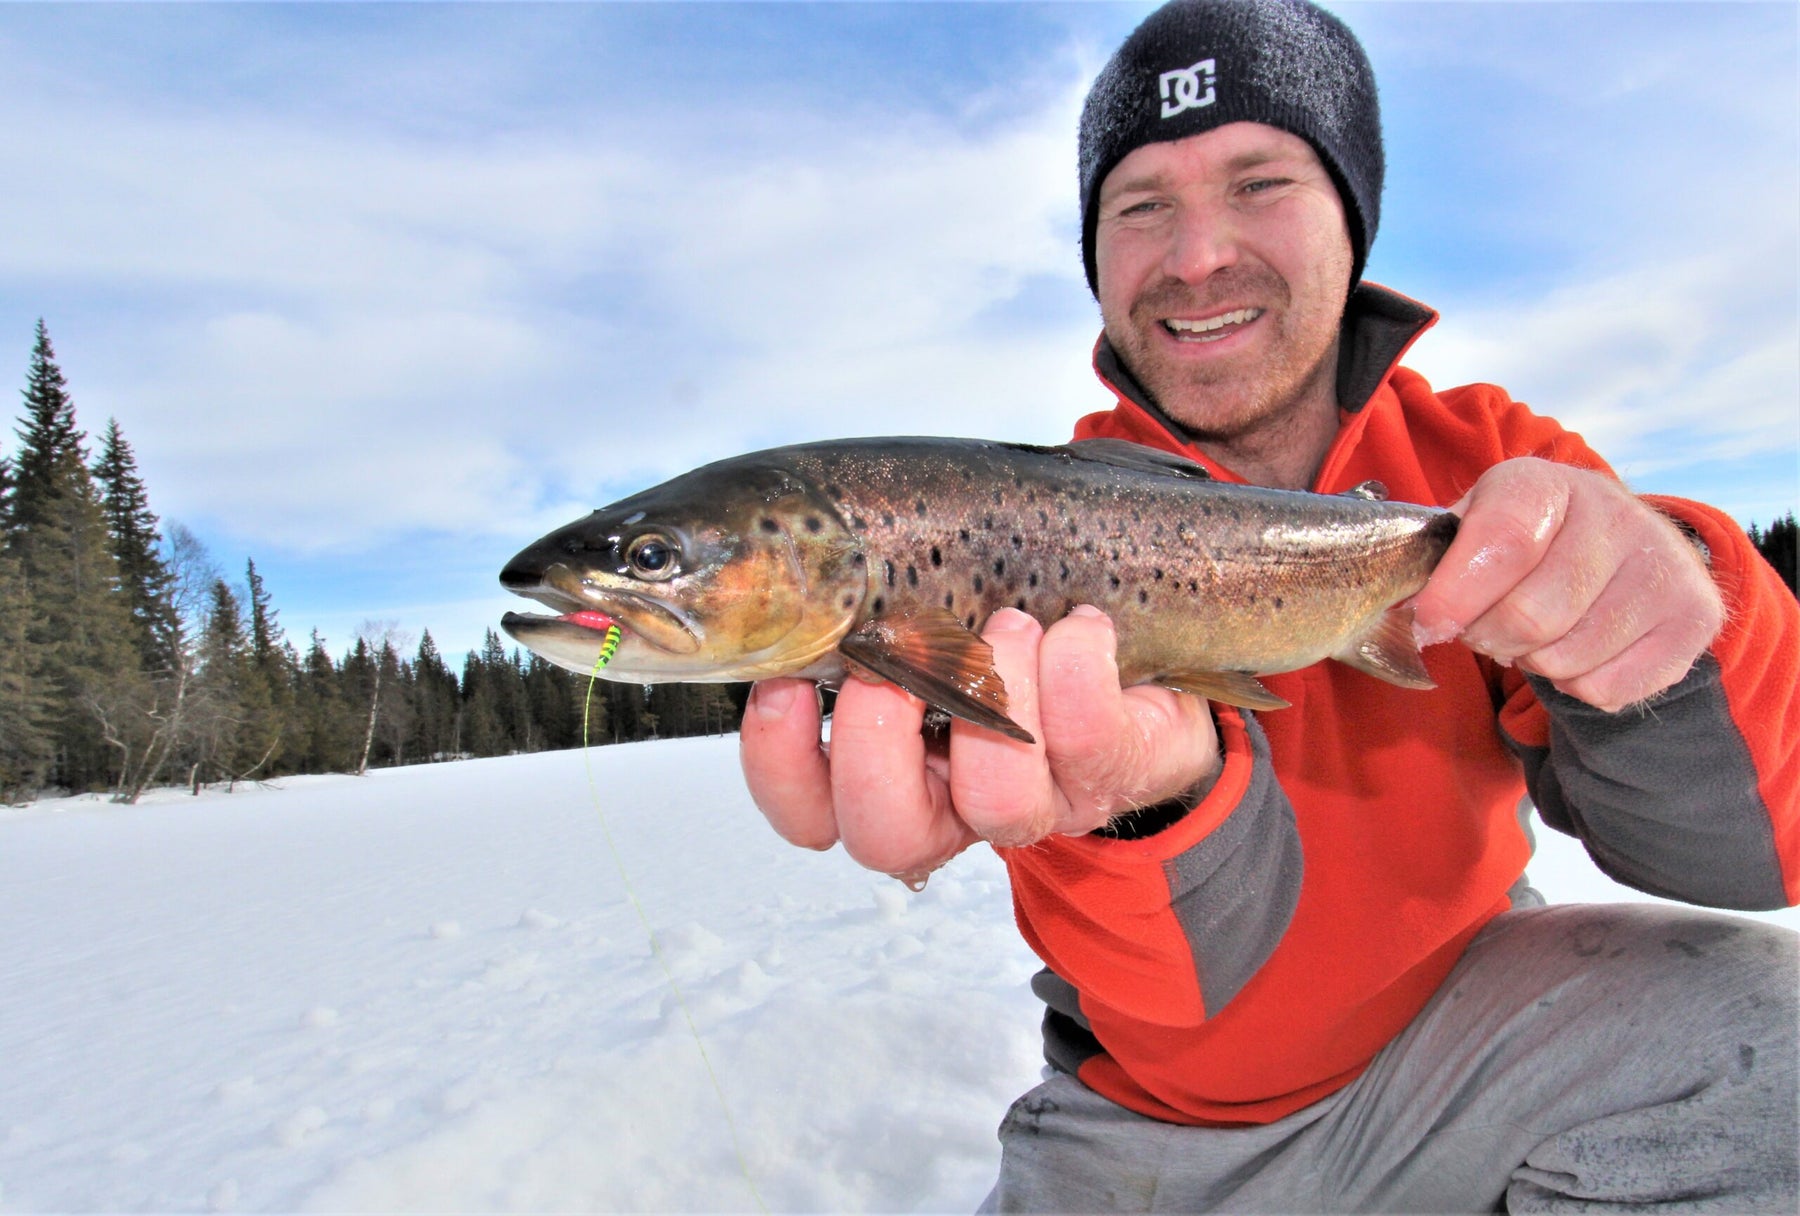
(1224, 263)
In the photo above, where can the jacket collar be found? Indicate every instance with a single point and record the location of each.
(1379, 326)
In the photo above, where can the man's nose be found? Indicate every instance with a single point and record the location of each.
(1205, 239)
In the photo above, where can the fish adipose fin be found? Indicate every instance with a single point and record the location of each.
(1388, 651)
(1368, 491)
(937, 658)
(1239, 688)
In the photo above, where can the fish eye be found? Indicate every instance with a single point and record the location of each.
(653, 557)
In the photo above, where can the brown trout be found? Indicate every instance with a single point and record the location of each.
(889, 554)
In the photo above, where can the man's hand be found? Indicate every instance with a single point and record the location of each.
(1563, 573)
(905, 807)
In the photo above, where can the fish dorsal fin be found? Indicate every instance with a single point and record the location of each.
(1136, 456)
(937, 658)
(1388, 651)
(1239, 688)
(1370, 491)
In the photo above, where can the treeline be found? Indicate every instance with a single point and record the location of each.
(127, 659)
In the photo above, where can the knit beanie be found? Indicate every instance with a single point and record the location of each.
(1198, 64)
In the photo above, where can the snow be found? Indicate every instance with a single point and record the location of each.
(430, 989)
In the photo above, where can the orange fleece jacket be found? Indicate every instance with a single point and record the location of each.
(1255, 955)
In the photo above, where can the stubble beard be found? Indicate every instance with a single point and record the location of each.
(1232, 400)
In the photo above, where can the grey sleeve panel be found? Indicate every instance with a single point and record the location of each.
(1234, 892)
(1664, 797)
(1069, 1041)
(1233, 895)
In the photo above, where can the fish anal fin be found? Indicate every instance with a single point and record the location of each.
(938, 659)
(1240, 688)
(1388, 651)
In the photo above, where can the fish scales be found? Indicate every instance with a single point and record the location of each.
(890, 554)
(1189, 570)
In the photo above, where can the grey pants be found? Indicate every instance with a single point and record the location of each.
(1621, 1056)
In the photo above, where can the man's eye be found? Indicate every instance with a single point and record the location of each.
(1147, 207)
(1263, 184)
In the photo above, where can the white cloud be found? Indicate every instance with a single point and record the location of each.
(1667, 365)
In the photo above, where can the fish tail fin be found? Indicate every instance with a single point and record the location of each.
(1388, 651)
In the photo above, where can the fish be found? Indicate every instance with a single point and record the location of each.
(883, 557)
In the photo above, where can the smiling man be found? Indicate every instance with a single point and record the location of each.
(1291, 960)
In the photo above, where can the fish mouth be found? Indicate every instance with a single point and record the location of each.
(582, 607)
(1213, 328)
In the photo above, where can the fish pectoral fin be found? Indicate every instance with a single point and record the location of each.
(1388, 651)
(937, 658)
(1240, 688)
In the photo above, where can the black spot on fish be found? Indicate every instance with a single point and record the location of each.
(962, 534)
(1065, 571)
(1018, 541)
(977, 584)
(999, 499)
(887, 519)
(879, 605)
(768, 525)
(850, 600)
(912, 576)
(919, 506)
(832, 490)
(1278, 603)
(1143, 596)
(1032, 581)
(1019, 603)
(937, 558)
(1206, 510)
(999, 566)
(969, 621)
(949, 599)
(859, 523)
(859, 560)
(1114, 580)
(1043, 518)
(1252, 596)
(890, 573)
(1192, 589)
(1158, 573)
(814, 524)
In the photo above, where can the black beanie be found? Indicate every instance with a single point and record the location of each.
(1198, 64)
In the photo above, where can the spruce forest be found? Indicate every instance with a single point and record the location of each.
(129, 660)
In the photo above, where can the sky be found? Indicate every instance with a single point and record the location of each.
(380, 293)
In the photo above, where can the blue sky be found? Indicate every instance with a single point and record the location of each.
(379, 293)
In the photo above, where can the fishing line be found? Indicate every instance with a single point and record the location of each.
(607, 649)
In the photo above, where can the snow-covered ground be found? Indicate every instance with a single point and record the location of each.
(429, 989)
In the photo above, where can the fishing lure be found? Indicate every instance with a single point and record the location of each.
(609, 647)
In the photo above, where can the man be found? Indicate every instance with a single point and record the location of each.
(1291, 960)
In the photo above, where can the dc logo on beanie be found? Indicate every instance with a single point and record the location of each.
(1181, 88)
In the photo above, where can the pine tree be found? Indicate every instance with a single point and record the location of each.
(435, 696)
(49, 440)
(329, 743)
(1780, 545)
(80, 635)
(221, 688)
(271, 676)
(136, 543)
(25, 745)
